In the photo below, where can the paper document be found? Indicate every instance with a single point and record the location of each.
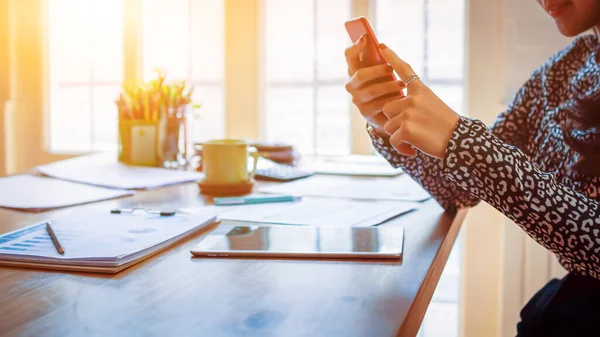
(98, 238)
(32, 193)
(103, 169)
(322, 212)
(353, 165)
(402, 188)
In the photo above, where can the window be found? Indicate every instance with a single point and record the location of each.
(305, 100)
(303, 76)
(86, 55)
(186, 38)
(429, 35)
(85, 49)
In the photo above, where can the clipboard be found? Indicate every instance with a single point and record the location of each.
(99, 240)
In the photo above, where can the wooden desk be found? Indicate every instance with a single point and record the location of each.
(173, 294)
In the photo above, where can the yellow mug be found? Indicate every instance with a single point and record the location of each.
(225, 161)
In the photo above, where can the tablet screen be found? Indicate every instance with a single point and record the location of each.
(290, 240)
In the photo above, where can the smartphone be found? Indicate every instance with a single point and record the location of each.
(330, 242)
(358, 27)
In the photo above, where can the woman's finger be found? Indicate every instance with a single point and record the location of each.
(403, 135)
(403, 69)
(406, 150)
(395, 123)
(375, 118)
(377, 90)
(365, 75)
(375, 107)
(378, 120)
(400, 144)
(397, 106)
(352, 54)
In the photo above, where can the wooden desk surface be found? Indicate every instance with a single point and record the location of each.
(173, 294)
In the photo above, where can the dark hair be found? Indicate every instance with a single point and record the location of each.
(581, 132)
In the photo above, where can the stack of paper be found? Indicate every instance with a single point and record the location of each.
(352, 165)
(403, 188)
(323, 212)
(103, 169)
(97, 240)
(32, 193)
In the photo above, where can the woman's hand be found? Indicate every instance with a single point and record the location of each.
(420, 119)
(371, 88)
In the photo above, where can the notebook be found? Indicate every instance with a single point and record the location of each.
(98, 241)
(32, 193)
(103, 169)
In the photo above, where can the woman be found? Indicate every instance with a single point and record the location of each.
(539, 163)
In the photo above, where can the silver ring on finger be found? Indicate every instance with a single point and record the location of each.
(411, 79)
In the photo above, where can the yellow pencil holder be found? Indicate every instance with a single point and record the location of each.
(139, 142)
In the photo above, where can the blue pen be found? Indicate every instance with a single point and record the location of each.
(260, 199)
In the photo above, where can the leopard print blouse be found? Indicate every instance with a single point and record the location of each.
(520, 165)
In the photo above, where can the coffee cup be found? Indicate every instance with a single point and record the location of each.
(225, 161)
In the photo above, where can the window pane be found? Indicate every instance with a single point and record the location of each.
(85, 59)
(333, 120)
(290, 40)
(446, 36)
(400, 25)
(104, 128)
(106, 45)
(453, 95)
(289, 117)
(305, 42)
(332, 39)
(186, 38)
(69, 41)
(442, 319)
(208, 122)
(166, 38)
(70, 118)
(207, 40)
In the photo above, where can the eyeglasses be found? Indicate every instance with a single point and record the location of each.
(149, 211)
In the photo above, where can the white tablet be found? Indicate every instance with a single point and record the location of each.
(302, 241)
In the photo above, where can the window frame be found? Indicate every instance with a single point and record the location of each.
(360, 142)
(4, 84)
(243, 77)
(243, 85)
(27, 122)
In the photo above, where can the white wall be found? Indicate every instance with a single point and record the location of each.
(502, 267)
(531, 38)
(485, 84)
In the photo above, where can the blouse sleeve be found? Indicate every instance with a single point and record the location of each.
(511, 126)
(559, 218)
(427, 171)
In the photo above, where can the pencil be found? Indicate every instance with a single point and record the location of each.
(57, 245)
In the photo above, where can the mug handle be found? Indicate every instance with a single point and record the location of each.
(253, 151)
(198, 148)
